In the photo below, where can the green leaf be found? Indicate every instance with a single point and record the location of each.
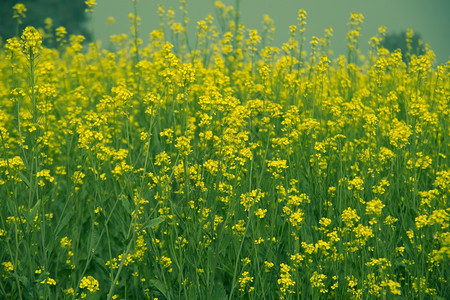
(153, 222)
(212, 259)
(30, 215)
(219, 292)
(24, 179)
(224, 244)
(25, 281)
(100, 263)
(34, 209)
(51, 246)
(95, 236)
(126, 204)
(65, 220)
(159, 286)
(193, 293)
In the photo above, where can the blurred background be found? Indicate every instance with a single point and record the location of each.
(429, 19)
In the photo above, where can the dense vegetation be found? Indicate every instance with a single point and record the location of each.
(235, 169)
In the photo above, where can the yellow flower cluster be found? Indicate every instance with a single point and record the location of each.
(89, 283)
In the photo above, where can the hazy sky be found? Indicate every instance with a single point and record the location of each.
(429, 18)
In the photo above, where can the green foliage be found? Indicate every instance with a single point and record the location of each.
(413, 45)
(67, 13)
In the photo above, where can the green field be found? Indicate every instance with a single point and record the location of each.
(227, 169)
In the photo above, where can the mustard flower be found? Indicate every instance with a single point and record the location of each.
(8, 266)
(399, 134)
(285, 281)
(89, 283)
(19, 11)
(244, 280)
(49, 281)
(32, 41)
(90, 5)
(317, 281)
(349, 216)
(374, 207)
(268, 266)
(166, 263)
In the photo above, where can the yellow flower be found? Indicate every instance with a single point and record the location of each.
(277, 166)
(239, 228)
(111, 20)
(49, 281)
(244, 280)
(166, 263)
(324, 222)
(399, 134)
(89, 283)
(371, 283)
(245, 261)
(65, 243)
(183, 145)
(356, 184)
(32, 40)
(46, 175)
(421, 221)
(317, 281)
(267, 266)
(374, 207)
(443, 180)
(297, 259)
(259, 241)
(309, 248)
(285, 281)
(19, 11)
(249, 199)
(362, 234)
(394, 287)
(440, 217)
(61, 32)
(217, 221)
(349, 216)
(422, 162)
(260, 213)
(296, 218)
(8, 266)
(90, 5)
